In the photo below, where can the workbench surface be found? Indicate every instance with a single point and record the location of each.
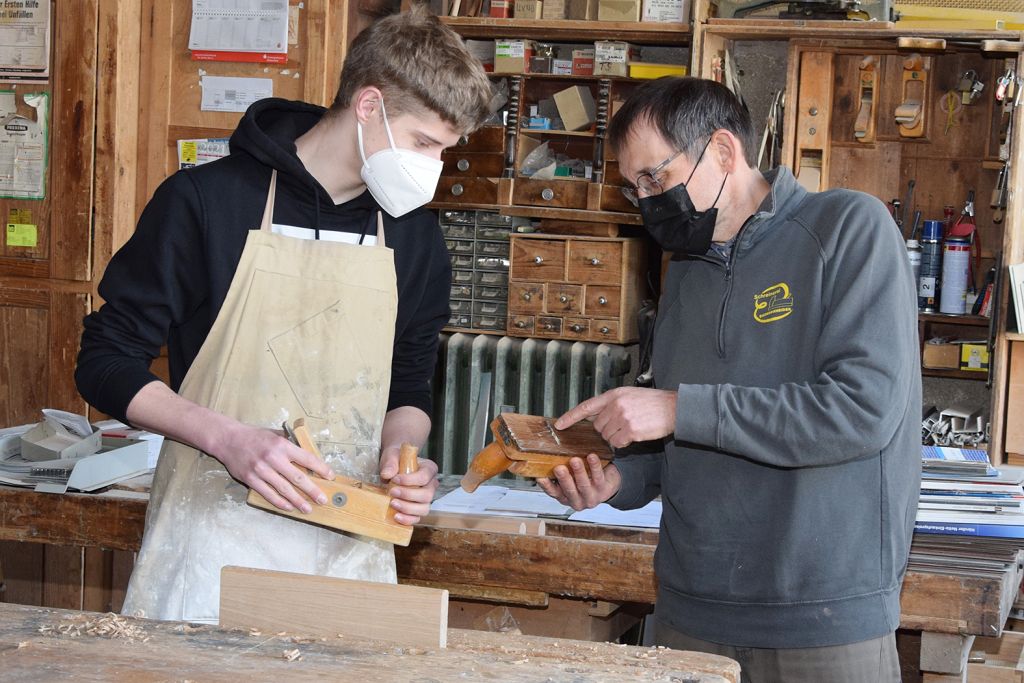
(42, 644)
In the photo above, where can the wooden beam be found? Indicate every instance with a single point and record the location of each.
(328, 607)
(505, 596)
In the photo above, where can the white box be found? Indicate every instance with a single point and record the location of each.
(666, 11)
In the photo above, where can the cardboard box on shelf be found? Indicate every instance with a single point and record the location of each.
(529, 9)
(512, 56)
(562, 67)
(974, 356)
(555, 9)
(583, 62)
(584, 10)
(501, 9)
(618, 10)
(677, 11)
(576, 107)
(940, 355)
(612, 57)
(482, 50)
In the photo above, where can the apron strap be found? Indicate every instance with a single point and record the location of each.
(267, 223)
(380, 230)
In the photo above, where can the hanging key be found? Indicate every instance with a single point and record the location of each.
(970, 87)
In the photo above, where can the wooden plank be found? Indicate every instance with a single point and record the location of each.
(945, 653)
(96, 579)
(71, 519)
(486, 593)
(562, 618)
(62, 576)
(1015, 399)
(973, 600)
(65, 320)
(326, 607)
(70, 174)
(22, 572)
(178, 651)
(120, 573)
(22, 365)
(490, 523)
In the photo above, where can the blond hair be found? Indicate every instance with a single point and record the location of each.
(417, 63)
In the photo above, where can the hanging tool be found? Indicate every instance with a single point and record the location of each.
(908, 202)
(910, 114)
(999, 193)
(917, 225)
(970, 87)
(352, 505)
(966, 227)
(864, 126)
(897, 217)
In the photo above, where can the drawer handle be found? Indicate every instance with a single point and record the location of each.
(520, 324)
(527, 296)
(464, 140)
(605, 330)
(577, 328)
(538, 260)
(457, 189)
(602, 300)
(595, 261)
(547, 194)
(564, 298)
(548, 326)
(463, 164)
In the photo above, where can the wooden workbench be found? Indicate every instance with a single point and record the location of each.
(618, 561)
(50, 644)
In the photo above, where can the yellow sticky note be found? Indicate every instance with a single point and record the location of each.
(21, 235)
(188, 152)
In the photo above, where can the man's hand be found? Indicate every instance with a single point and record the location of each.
(266, 463)
(582, 486)
(627, 414)
(411, 493)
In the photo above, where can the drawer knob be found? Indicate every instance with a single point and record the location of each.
(520, 324)
(527, 296)
(464, 140)
(602, 300)
(547, 194)
(548, 326)
(595, 261)
(463, 164)
(564, 298)
(605, 330)
(457, 189)
(577, 327)
(538, 260)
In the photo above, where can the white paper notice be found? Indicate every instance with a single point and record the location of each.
(239, 25)
(224, 93)
(24, 40)
(649, 516)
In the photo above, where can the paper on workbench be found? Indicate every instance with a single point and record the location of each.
(476, 502)
(648, 517)
(530, 502)
(499, 500)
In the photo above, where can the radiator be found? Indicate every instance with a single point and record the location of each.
(478, 376)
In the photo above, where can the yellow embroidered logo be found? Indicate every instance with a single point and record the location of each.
(774, 303)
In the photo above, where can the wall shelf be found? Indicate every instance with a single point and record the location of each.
(571, 30)
(786, 29)
(954, 374)
(947, 319)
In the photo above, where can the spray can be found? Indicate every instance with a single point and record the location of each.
(956, 262)
(914, 256)
(929, 279)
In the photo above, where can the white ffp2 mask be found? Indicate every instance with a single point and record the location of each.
(399, 179)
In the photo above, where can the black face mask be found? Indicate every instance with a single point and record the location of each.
(674, 222)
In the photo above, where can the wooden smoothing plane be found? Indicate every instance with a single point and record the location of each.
(352, 505)
(530, 446)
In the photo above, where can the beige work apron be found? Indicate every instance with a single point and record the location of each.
(306, 330)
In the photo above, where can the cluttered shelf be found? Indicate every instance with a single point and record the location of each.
(652, 33)
(784, 29)
(949, 319)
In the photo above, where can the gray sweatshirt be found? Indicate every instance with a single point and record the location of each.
(791, 485)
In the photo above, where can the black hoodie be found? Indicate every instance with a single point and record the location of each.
(166, 285)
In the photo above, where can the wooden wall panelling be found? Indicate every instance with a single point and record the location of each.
(21, 565)
(62, 576)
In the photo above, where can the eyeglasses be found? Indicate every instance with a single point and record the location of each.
(648, 182)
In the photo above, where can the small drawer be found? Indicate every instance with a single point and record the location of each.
(485, 293)
(458, 231)
(462, 260)
(493, 233)
(612, 199)
(461, 292)
(491, 263)
(488, 322)
(595, 262)
(490, 308)
(604, 330)
(612, 175)
(467, 190)
(462, 277)
(548, 326)
(538, 259)
(460, 306)
(526, 297)
(520, 324)
(561, 194)
(452, 216)
(483, 139)
(460, 320)
(490, 278)
(494, 249)
(459, 246)
(577, 328)
(458, 164)
(600, 300)
(490, 218)
(564, 298)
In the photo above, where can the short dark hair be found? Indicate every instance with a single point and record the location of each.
(686, 111)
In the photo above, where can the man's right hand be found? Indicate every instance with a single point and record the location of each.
(266, 463)
(583, 485)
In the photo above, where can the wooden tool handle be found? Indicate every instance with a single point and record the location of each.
(306, 442)
(408, 459)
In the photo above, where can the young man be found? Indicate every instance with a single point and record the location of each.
(327, 308)
(788, 400)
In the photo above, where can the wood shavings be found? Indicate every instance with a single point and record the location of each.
(22, 644)
(292, 655)
(255, 632)
(108, 626)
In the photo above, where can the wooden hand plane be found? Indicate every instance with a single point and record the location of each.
(352, 505)
(530, 446)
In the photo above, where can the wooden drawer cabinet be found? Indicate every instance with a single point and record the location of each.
(575, 288)
(468, 190)
(473, 165)
(486, 139)
(560, 194)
